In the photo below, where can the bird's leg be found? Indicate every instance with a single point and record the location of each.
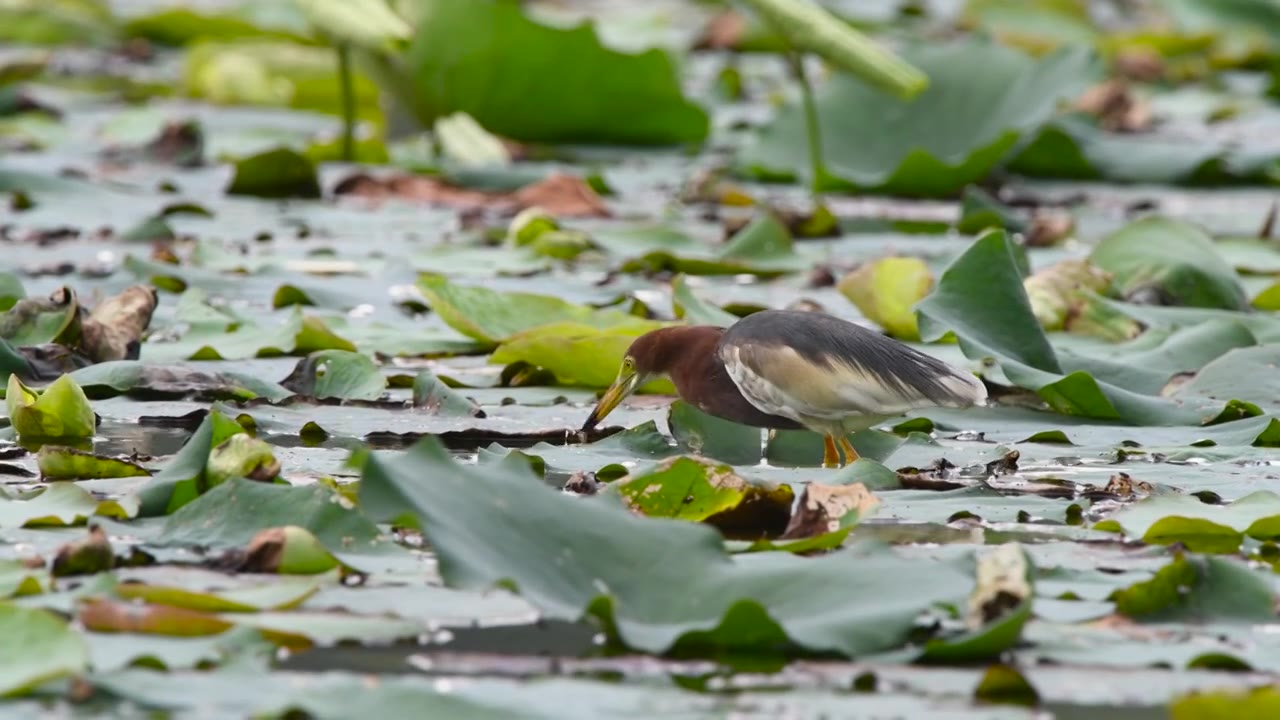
(850, 455)
(830, 456)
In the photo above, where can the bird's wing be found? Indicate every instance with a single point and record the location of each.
(778, 380)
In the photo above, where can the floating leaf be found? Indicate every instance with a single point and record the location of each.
(59, 504)
(580, 354)
(999, 607)
(686, 488)
(713, 437)
(39, 647)
(86, 556)
(1170, 261)
(528, 81)
(1076, 148)
(35, 321)
(1199, 589)
(693, 309)
(178, 26)
(232, 514)
(64, 463)
(277, 74)
(762, 247)
(60, 412)
(431, 394)
(981, 298)
(340, 374)
(886, 292)
(279, 173)
(241, 456)
(492, 317)
(981, 99)
(1223, 704)
(501, 525)
(283, 594)
(11, 291)
(288, 550)
(469, 145)
(184, 477)
(1244, 374)
(1164, 519)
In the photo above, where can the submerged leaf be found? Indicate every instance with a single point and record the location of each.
(176, 589)
(106, 616)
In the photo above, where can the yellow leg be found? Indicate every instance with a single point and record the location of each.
(850, 455)
(830, 456)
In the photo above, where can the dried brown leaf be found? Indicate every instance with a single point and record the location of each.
(723, 31)
(109, 616)
(1117, 109)
(822, 507)
(113, 331)
(560, 194)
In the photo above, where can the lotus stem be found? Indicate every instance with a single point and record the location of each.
(813, 130)
(348, 103)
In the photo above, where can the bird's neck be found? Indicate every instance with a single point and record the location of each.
(698, 374)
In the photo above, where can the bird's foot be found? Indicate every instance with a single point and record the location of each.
(850, 455)
(830, 456)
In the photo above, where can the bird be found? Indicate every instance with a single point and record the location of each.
(791, 370)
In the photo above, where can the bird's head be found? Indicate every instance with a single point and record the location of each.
(651, 355)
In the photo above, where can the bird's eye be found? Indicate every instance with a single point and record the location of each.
(628, 364)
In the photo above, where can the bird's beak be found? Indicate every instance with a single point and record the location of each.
(621, 388)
